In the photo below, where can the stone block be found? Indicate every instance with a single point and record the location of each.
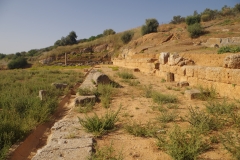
(42, 94)
(213, 73)
(232, 61)
(100, 78)
(170, 77)
(190, 71)
(192, 94)
(182, 84)
(84, 99)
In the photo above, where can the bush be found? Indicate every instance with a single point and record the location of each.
(148, 130)
(17, 63)
(99, 126)
(163, 98)
(105, 91)
(150, 26)
(177, 19)
(205, 17)
(195, 30)
(231, 49)
(108, 32)
(183, 145)
(190, 20)
(127, 37)
(125, 75)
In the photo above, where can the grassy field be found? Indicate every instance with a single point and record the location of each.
(20, 107)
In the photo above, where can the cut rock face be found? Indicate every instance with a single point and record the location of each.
(100, 78)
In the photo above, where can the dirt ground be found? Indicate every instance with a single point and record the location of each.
(137, 108)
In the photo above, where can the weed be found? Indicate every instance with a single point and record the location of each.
(126, 75)
(207, 93)
(148, 91)
(87, 91)
(100, 125)
(220, 108)
(106, 153)
(167, 117)
(169, 87)
(131, 82)
(86, 107)
(139, 130)
(202, 121)
(115, 68)
(105, 91)
(183, 144)
(214, 139)
(231, 142)
(163, 98)
(172, 106)
(163, 80)
(226, 49)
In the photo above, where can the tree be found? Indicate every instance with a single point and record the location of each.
(108, 32)
(195, 30)
(68, 40)
(150, 26)
(237, 7)
(190, 20)
(177, 19)
(2, 55)
(19, 62)
(127, 37)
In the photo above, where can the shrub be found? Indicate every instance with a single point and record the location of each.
(150, 26)
(190, 20)
(231, 49)
(231, 143)
(127, 37)
(220, 108)
(17, 63)
(148, 91)
(139, 130)
(105, 91)
(177, 19)
(99, 126)
(108, 32)
(205, 17)
(125, 75)
(195, 30)
(207, 93)
(167, 117)
(163, 98)
(187, 145)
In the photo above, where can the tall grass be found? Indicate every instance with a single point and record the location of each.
(20, 107)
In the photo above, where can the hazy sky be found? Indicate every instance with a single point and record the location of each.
(35, 24)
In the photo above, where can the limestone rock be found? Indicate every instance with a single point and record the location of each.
(42, 94)
(232, 61)
(163, 58)
(191, 94)
(182, 84)
(171, 59)
(100, 78)
(100, 48)
(84, 99)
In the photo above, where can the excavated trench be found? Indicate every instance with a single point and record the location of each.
(38, 137)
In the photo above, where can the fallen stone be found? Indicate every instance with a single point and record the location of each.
(182, 84)
(42, 94)
(84, 99)
(191, 94)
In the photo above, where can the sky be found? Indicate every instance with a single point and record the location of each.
(36, 24)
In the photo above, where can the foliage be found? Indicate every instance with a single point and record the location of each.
(208, 14)
(87, 91)
(125, 75)
(106, 153)
(166, 117)
(148, 91)
(20, 62)
(139, 130)
(150, 26)
(21, 110)
(2, 55)
(190, 20)
(108, 32)
(195, 30)
(231, 49)
(127, 37)
(177, 19)
(183, 145)
(100, 125)
(86, 106)
(237, 7)
(205, 17)
(231, 143)
(68, 40)
(163, 98)
(207, 93)
(220, 108)
(105, 91)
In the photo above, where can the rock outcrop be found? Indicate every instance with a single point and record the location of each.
(232, 61)
(220, 42)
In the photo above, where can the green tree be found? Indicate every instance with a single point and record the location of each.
(127, 37)
(195, 30)
(190, 20)
(150, 26)
(2, 55)
(237, 7)
(19, 62)
(177, 19)
(108, 32)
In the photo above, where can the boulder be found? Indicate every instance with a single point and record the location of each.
(100, 78)
(163, 58)
(171, 59)
(232, 61)
(42, 94)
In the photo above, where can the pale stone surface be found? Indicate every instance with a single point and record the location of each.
(84, 99)
(232, 61)
(42, 94)
(163, 58)
(100, 78)
(191, 94)
(212, 42)
(182, 84)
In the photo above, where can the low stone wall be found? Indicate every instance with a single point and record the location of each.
(226, 81)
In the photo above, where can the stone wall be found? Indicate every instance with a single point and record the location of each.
(225, 80)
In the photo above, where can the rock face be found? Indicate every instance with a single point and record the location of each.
(182, 84)
(163, 58)
(219, 42)
(100, 48)
(232, 61)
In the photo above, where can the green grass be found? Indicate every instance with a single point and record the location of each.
(183, 145)
(166, 117)
(100, 125)
(140, 130)
(105, 91)
(86, 107)
(106, 153)
(21, 108)
(231, 49)
(125, 75)
(220, 108)
(163, 98)
(207, 94)
(131, 82)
